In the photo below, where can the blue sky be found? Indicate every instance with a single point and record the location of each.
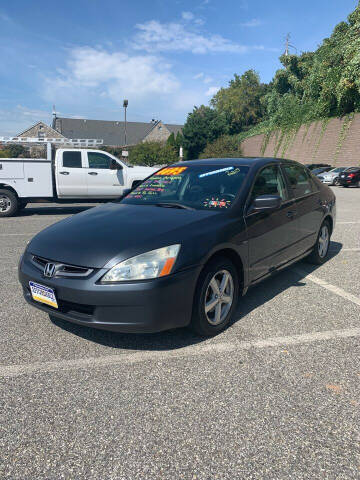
(86, 56)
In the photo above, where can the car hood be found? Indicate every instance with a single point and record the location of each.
(110, 233)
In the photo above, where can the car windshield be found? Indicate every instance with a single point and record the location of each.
(200, 187)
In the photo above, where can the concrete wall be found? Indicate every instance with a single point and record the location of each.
(335, 141)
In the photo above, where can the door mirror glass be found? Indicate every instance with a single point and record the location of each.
(265, 203)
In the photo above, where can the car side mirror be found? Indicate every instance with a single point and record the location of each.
(115, 165)
(265, 203)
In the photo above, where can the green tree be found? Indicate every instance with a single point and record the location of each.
(226, 146)
(203, 125)
(241, 102)
(15, 150)
(152, 153)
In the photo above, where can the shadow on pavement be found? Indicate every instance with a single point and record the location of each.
(174, 339)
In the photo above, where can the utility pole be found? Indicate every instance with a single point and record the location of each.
(288, 46)
(125, 104)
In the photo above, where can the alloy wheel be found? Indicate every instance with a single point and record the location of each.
(323, 243)
(5, 203)
(219, 297)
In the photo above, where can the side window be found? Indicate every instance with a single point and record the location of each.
(269, 181)
(72, 159)
(99, 160)
(299, 180)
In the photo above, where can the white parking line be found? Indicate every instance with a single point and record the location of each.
(15, 234)
(332, 288)
(346, 223)
(193, 350)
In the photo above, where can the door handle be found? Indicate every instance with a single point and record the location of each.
(65, 173)
(92, 173)
(291, 213)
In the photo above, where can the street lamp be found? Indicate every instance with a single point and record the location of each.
(125, 104)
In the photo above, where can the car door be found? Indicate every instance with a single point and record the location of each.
(103, 180)
(307, 203)
(270, 234)
(71, 175)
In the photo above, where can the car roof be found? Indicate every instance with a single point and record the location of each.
(241, 161)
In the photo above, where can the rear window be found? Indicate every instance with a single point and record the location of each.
(72, 159)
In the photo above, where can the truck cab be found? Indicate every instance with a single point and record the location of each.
(94, 174)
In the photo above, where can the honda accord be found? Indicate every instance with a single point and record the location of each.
(181, 248)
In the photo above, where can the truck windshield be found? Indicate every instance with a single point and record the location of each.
(203, 187)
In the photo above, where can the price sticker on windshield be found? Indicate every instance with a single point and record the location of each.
(171, 171)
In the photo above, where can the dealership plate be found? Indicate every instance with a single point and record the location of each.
(43, 294)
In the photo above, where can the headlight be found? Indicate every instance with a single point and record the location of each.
(153, 264)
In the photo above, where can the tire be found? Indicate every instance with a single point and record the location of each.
(321, 249)
(219, 316)
(9, 203)
(336, 182)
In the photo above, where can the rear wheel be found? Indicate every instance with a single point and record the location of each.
(321, 250)
(9, 203)
(215, 297)
(336, 181)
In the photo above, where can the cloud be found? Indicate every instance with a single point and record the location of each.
(154, 36)
(188, 16)
(17, 119)
(198, 76)
(211, 91)
(255, 22)
(111, 74)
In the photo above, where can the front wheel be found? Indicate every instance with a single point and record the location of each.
(336, 182)
(215, 297)
(9, 203)
(321, 250)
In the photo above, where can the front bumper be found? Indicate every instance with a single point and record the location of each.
(135, 307)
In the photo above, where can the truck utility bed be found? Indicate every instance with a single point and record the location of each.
(30, 177)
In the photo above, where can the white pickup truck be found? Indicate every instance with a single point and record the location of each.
(71, 174)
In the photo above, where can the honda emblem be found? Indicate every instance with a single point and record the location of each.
(49, 270)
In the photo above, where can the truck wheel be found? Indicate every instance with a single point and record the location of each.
(9, 203)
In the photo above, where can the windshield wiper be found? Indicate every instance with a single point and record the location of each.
(173, 205)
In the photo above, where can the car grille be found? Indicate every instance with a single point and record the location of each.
(62, 269)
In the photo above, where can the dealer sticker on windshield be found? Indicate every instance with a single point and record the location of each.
(43, 294)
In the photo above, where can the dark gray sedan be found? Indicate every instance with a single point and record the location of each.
(181, 248)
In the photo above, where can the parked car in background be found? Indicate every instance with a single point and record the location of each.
(181, 247)
(350, 177)
(318, 171)
(332, 176)
(312, 166)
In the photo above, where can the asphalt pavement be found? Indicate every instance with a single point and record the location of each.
(275, 396)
